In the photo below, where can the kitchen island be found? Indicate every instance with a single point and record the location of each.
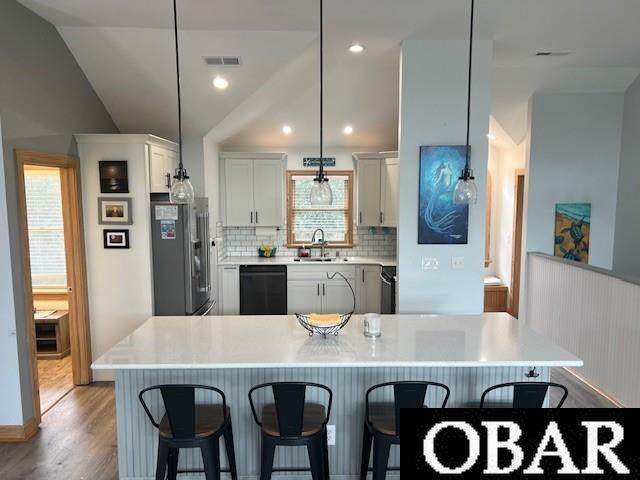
(467, 353)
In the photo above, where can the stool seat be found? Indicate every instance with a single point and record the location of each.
(312, 420)
(209, 419)
(382, 417)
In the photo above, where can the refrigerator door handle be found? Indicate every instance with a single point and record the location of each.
(203, 221)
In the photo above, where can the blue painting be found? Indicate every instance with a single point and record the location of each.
(440, 220)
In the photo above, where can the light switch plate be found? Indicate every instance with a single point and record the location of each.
(457, 263)
(430, 263)
(331, 434)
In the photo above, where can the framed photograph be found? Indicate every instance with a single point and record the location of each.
(116, 238)
(113, 176)
(440, 221)
(114, 211)
(573, 230)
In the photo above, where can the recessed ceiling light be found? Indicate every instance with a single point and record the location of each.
(348, 130)
(287, 130)
(357, 48)
(491, 136)
(220, 83)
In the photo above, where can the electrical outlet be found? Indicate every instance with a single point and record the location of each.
(430, 263)
(457, 263)
(331, 434)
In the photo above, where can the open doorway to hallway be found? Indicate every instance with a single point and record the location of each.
(54, 275)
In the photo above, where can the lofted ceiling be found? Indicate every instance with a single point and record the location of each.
(125, 49)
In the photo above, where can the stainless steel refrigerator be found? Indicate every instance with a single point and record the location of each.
(181, 258)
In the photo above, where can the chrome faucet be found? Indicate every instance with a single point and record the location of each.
(321, 242)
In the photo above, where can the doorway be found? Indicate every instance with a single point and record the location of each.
(54, 275)
(516, 261)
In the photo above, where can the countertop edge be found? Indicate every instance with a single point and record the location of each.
(233, 261)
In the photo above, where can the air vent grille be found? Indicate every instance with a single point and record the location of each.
(223, 61)
(551, 54)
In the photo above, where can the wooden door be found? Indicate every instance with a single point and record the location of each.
(304, 296)
(516, 261)
(389, 184)
(239, 201)
(267, 192)
(369, 212)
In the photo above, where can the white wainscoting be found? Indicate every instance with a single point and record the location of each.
(593, 313)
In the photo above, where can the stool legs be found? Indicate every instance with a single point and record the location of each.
(163, 460)
(367, 440)
(211, 459)
(381, 448)
(231, 454)
(325, 448)
(316, 457)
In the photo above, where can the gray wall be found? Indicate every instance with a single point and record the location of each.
(625, 257)
(574, 157)
(44, 99)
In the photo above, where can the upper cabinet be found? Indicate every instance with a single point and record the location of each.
(253, 191)
(377, 191)
(163, 162)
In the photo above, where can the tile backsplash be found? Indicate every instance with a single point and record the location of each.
(244, 242)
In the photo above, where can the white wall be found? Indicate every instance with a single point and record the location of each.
(433, 103)
(574, 157)
(120, 281)
(626, 258)
(10, 400)
(193, 159)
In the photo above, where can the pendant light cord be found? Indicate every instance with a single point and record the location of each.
(467, 166)
(175, 31)
(321, 173)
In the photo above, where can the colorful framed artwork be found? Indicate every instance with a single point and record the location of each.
(572, 231)
(440, 221)
(114, 211)
(114, 177)
(116, 238)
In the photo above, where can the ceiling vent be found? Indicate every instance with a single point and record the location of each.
(551, 54)
(223, 61)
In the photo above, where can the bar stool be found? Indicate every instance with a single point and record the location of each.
(186, 424)
(291, 421)
(382, 422)
(525, 394)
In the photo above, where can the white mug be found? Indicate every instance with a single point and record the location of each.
(372, 325)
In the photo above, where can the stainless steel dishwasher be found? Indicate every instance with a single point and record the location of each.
(388, 277)
(263, 290)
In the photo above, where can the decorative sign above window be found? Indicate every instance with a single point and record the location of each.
(315, 161)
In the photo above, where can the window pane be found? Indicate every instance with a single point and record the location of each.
(333, 223)
(44, 218)
(302, 189)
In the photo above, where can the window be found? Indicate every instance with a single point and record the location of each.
(304, 219)
(46, 233)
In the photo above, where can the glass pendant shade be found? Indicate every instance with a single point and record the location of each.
(181, 189)
(466, 192)
(321, 194)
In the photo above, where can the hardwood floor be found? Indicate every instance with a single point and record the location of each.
(56, 380)
(77, 440)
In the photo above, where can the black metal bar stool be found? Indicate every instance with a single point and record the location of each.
(186, 424)
(382, 422)
(292, 421)
(525, 394)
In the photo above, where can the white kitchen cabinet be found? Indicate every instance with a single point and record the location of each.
(369, 192)
(389, 189)
(310, 291)
(162, 164)
(238, 175)
(253, 189)
(229, 284)
(304, 296)
(369, 289)
(378, 184)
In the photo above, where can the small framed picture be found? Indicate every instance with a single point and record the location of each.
(113, 176)
(116, 238)
(114, 211)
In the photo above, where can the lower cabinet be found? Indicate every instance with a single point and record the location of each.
(309, 290)
(229, 293)
(369, 289)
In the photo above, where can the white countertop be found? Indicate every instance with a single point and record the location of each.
(487, 340)
(382, 261)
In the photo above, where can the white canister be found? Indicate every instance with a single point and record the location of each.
(372, 325)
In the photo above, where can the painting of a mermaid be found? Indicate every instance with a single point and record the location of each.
(440, 220)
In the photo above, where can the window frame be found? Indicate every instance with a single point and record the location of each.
(348, 243)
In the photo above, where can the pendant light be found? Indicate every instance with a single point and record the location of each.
(321, 194)
(181, 189)
(466, 192)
